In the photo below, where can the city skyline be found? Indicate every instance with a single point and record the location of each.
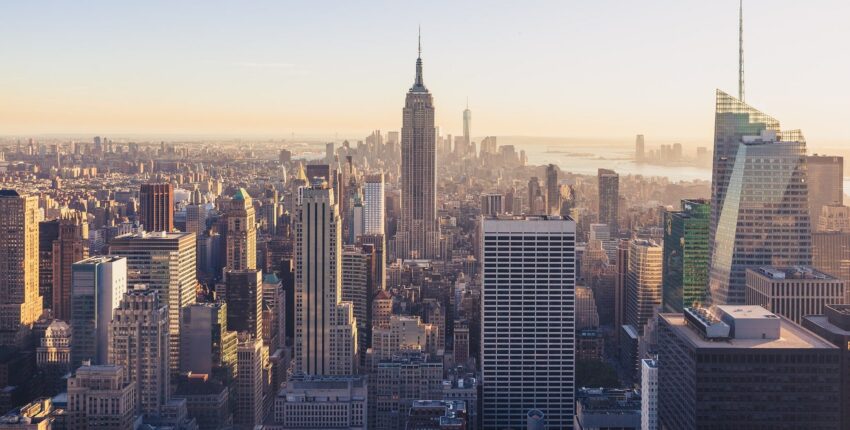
(261, 70)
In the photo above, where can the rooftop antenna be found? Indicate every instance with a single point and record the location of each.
(741, 50)
(419, 40)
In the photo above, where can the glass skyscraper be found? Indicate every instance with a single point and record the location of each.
(686, 255)
(759, 207)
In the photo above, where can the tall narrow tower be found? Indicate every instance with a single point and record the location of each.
(467, 124)
(741, 50)
(20, 302)
(419, 225)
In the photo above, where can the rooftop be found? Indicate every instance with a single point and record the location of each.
(791, 336)
(792, 272)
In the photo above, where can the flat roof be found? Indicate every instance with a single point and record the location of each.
(791, 273)
(823, 322)
(791, 336)
(747, 312)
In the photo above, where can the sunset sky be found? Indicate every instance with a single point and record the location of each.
(604, 69)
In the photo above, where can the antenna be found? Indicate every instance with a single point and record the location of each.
(420, 41)
(741, 50)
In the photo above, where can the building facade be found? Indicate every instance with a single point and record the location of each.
(156, 207)
(686, 255)
(98, 285)
(793, 292)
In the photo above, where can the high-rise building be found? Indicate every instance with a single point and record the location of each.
(609, 199)
(156, 207)
(99, 397)
(686, 255)
(640, 151)
(492, 204)
(419, 224)
(513, 299)
(793, 291)
(98, 285)
(833, 217)
(356, 268)
(732, 359)
(243, 292)
(649, 395)
(207, 346)
(467, 125)
(249, 384)
(164, 262)
(831, 253)
(207, 400)
(536, 199)
(196, 219)
(48, 231)
(325, 330)
(643, 282)
(759, 199)
(402, 333)
(620, 276)
(53, 356)
(139, 344)
(834, 326)
(825, 175)
(241, 233)
(338, 402)
(553, 191)
(373, 204)
(70, 247)
(20, 302)
(400, 381)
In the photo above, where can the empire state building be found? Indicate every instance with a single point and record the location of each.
(419, 232)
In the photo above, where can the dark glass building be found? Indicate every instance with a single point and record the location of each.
(834, 326)
(686, 255)
(609, 199)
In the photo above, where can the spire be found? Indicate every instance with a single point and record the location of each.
(741, 50)
(419, 84)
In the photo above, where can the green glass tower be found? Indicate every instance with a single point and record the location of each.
(686, 254)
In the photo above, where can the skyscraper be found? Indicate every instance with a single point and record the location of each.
(609, 199)
(243, 292)
(686, 255)
(643, 282)
(206, 344)
(249, 384)
(325, 331)
(825, 175)
(156, 209)
(70, 247)
(640, 151)
(164, 262)
(98, 285)
(467, 125)
(759, 200)
(373, 204)
(514, 300)
(139, 344)
(20, 302)
(355, 289)
(553, 192)
(53, 356)
(100, 397)
(241, 233)
(419, 224)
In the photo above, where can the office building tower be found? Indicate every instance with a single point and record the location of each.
(643, 282)
(98, 285)
(400, 381)
(382, 310)
(241, 233)
(607, 408)
(207, 346)
(274, 312)
(620, 276)
(419, 224)
(825, 175)
(156, 207)
(686, 255)
(249, 384)
(649, 395)
(139, 344)
(467, 125)
(492, 204)
(373, 204)
(53, 356)
(516, 298)
(639, 149)
(609, 199)
(536, 198)
(243, 293)
(48, 231)
(20, 302)
(357, 220)
(330, 154)
(196, 219)
(759, 203)
(325, 330)
(100, 397)
(834, 326)
(585, 305)
(70, 247)
(356, 277)
(793, 291)
(338, 402)
(460, 342)
(833, 217)
(164, 262)
(733, 358)
(207, 401)
(831, 253)
(553, 191)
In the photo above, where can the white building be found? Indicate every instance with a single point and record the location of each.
(649, 395)
(528, 280)
(373, 203)
(97, 286)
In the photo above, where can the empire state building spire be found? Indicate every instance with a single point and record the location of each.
(419, 84)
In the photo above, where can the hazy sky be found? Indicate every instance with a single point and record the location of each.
(554, 68)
